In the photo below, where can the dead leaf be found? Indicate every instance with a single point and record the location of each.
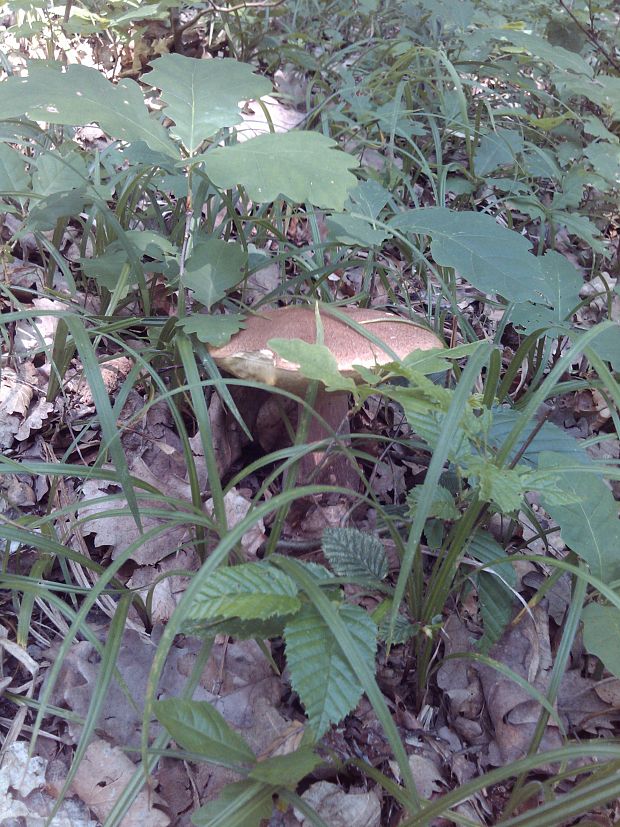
(17, 389)
(388, 477)
(586, 704)
(341, 809)
(14, 650)
(24, 797)
(18, 493)
(428, 779)
(609, 691)
(458, 678)
(35, 419)
(255, 121)
(237, 508)
(118, 532)
(38, 333)
(525, 648)
(18, 273)
(168, 591)
(113, 373)
(101, 777)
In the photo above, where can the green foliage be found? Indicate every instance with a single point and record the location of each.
(241, 804)
(487, 143)
(198, 727)
(315, 362)
(321, 673)
(495, 586)
(213, 269)
(589, 524)
(492, 258)
(187, 85)
(300, 166)
(355, 554)
(250, 591)
(601, 626)
(81, 95)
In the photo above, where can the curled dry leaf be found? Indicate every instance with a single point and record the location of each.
(237, 508)
(33, 335)
(17, 389)
(586, 705)
(100, 779)
(17, 493)
(16, 393)
(118, 532)
(113, 373)
(35, 419)
(609, 691)
(341, 809)
(525, 648)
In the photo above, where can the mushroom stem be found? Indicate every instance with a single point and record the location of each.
(334, 468)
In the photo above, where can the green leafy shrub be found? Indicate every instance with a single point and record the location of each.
(495, 121)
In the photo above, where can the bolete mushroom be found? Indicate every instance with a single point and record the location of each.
(248, 356)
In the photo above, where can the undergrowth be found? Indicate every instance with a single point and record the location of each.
(458, 163)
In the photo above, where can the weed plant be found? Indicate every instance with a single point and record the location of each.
(449, 151)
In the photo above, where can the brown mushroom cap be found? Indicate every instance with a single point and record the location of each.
(248, 356)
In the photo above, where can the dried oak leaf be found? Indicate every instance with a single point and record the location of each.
(526, 650)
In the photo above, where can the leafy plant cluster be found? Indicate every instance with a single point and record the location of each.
(460, 144)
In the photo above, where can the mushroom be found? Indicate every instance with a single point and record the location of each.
(248, 356)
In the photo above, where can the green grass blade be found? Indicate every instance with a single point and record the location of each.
(109, 429)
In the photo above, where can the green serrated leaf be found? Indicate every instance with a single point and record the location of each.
(214, 268)
(199, 728)
(203, 96)
(443, 505)
(242, 804)
(601, 633)
(251, 590)
(504, 487)
(581, 226)
(563, 285)
(239, 629)
(589, 526)
(315, 362)
(81, 95)
(213, 330)
(304, 167)
(286, 770)
(320, 674)
(355, 554)
(403, 629)
(491, 257)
